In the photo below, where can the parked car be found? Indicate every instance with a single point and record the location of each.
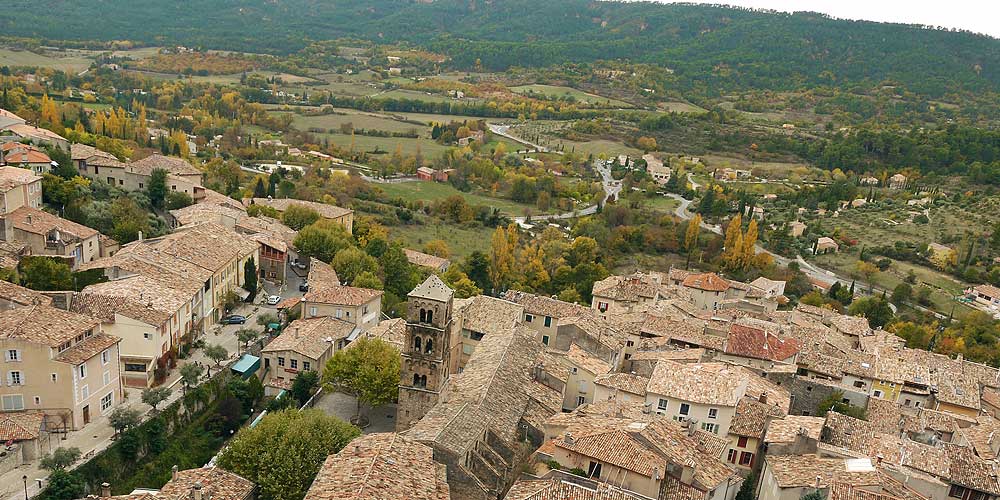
(304, 286)
(235, 319)
(272, 300)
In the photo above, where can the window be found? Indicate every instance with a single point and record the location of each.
(55, 377)
(548, 321)
(84, 392)
(281, 361)
(661, 404)
(83, 371)
(429, 346)
(305, 365)
(877, 393)
(545, 339)
(573, 370)
(339, 314)
(111, 180)
(746, 459)
(528, 318)
(742, 442)
(295, 364)
(313, 311)
(581, 400)
(907, 402)
(106, 401)
(713, 413)
(602, 306)
(105, 357)
(38, 401)
(107, 378)
(685, 408)
(713, 428)
(135, 367)
(147, 336)
(140, 185)
(477, 336)
(13, 402)
(859, 383)
(416, 344)
(467, 349)
(731, 458)
(629, 343)
(13, 355)
(594, 470)
(14, 378)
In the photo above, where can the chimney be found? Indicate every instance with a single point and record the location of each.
(140, 235)
(29, 219)
(763, 397)
(196, 491)
(105, 489)
(173, 473)
(568, 438)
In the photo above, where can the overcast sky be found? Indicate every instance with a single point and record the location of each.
(980, 16)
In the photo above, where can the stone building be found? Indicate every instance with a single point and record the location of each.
(426, 352)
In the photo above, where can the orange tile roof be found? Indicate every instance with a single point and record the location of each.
(710, 282)
(758, 343)
(35, 221)
(20, 426)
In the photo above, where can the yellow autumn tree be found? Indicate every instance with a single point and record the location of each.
(691, 237)
(749, 245)
(49, 112)
(502, 247)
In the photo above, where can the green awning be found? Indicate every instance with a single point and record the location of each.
(246, 366)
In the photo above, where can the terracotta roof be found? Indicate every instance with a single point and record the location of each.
(629, 288)
(488, 315)
(541, 305)
(11, 253)
(556, 489)
(11, 177)
(35, 221)
(704, 383)
(970, 471)
(288, 303)
(26, 156)
(104, 307)
(90, 347)
(79, 151)
(392, 331)
(173, 165)
(44, 324)
(216, 484)
(752, 417)
(627, 382)
(426, 260)
(381, 466)
(785, 430)
(309, 337)
(321, 275)
(145, 296)
(805, 471)
(341, 295)
(20, 425)
(22, 295)
(325, 210)
(758, 343)
(25, 130)
(710, 282)
(850, 325)
(584, 360)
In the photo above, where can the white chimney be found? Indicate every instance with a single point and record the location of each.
(105, 489)
(196, 491)
(173, 473)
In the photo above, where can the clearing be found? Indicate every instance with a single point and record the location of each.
(428, 191)
(559, 92)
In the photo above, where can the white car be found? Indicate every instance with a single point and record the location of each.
(272, 300)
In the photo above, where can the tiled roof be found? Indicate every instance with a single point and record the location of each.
(758, 343)
(751, 418)
(84, 152)
(704, 383)
(142, 292)
(321, 275)
(381, 466)
(541, 305)
(616, 447)
(174, 166)
(22, 295)
(805, 471)
(628, 288)
(90, 347)
(426, 260)
(35, 221)
(105, 307)
(693, 355)
(216, 484)
(556, 489)
(970, 471)
(20, 425)
(342, 295)
(433, 288)
(44, 324)
(11, 177)
(709, 282)
(786, 429)
(624, 382)
(11, 253)
(25, 156)
(25, 130)
(309, 337)
(325, 210)
(850, 325)
(392, 331)
(489, 315)
(584, 360)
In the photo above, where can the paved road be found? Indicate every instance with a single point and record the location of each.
(502, 131)
(611, 188)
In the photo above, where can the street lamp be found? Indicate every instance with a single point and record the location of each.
(25, 479)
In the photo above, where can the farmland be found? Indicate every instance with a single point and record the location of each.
(427, 191)
(558, 92)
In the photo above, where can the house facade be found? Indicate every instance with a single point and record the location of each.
(19, 187)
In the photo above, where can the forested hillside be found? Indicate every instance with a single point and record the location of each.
(719, 48)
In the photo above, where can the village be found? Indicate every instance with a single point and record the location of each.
(671, 384)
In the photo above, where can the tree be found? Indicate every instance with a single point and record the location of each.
(157, 189)
(284, 451)
(835, 402)
(155, 395)
(46, 273)
(250, 277)
(129, 220)
(60, 459)
(902, 293)
(177, 200)
(437, 248)
(367, 279)
(190, 373)
(259, 189)
(298, 217)
(460, 283)
(368, 368)
(64, 485)
(322, 240)
(746, 491)
(691, 238)
(868, 270)
(123, 418)
(216, 353)
(397, 272)
(646, 144)
(502, 247)
(876, 309)
(351, 262)
(304, 386)
(814, 495)
(245, 336)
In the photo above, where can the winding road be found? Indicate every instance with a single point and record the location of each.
(611, 188)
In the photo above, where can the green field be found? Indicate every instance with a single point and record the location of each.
(661, 204)
(553, 91)
(680, 107)
(461, 240)
(427, 191)
(418, 96)
(596, 147)
(359, 119)
(71, 61)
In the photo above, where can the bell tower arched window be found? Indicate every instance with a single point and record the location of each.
(423, 315)
(430, 316)
(416, 344)
(429, 346)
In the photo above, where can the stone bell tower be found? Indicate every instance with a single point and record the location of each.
(426, 350)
